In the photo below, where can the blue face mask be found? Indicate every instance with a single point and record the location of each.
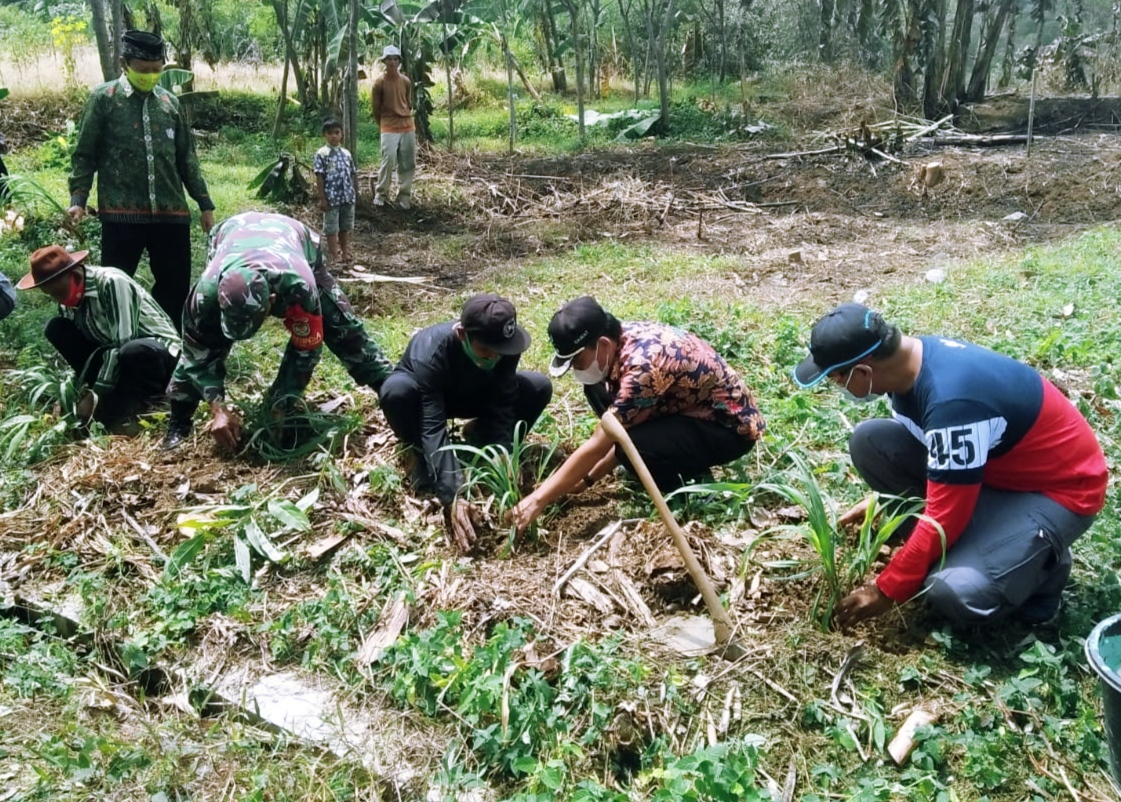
(860, 399)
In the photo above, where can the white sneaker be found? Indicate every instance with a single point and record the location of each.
(379, 202)
(404, 203)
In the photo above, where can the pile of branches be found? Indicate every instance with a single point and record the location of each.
(876, 141)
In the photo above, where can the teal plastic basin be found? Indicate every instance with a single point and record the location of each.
(1103, 650)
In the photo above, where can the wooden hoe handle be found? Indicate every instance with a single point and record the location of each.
(721, 623)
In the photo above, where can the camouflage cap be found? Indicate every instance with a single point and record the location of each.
(243, 298)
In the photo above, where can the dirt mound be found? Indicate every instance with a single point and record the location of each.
(806, 219)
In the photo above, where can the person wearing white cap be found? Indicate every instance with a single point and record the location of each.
(684, 407)
(393, 112)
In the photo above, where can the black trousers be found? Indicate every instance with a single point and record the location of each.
(400, 401)
(675, 448)
(145, 369)
(169, 255)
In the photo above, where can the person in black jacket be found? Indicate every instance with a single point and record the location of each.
(464, 369)
(5, 193)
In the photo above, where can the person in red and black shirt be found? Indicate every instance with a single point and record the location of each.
(1011, 472)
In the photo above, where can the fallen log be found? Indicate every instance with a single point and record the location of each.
(977, 140)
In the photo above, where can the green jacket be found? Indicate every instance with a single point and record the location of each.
(143, 152)
(115, 310)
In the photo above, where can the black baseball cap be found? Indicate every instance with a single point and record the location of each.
(577, 325)
(492, 322)
(840, 339)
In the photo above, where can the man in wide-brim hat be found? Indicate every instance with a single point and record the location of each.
(120, 343)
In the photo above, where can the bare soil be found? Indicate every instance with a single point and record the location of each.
(792, 227)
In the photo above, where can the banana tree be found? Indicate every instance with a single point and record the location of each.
(503, 20)
(314, 35)
(456, 34)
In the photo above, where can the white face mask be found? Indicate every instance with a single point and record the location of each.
(593, 374)
(860, 399)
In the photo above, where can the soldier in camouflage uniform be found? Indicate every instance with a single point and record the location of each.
(135, 138)
(264, 264)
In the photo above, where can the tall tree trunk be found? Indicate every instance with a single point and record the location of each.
(99, 20)
(573, 8)
(953, 83)
(825, 31)
(722, 16)
(663, 63)
(509, 58)
(117, 7)
(933, 91)
(1009, 61)
(350, 88)
(648, 55)
(908, 36)
(184, 51)
(593, 48)
(451, 92)
(552, 42)
(632, 45)
(990, 39)
(281, 102)
(865, 25)
(280, 8)
(321, 59)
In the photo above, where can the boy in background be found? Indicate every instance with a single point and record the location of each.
(336, 178)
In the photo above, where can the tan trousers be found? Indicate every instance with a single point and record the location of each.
(398, 154)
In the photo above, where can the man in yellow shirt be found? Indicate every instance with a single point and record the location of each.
(393, 112)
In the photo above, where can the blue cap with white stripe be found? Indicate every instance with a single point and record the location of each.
(839, 340)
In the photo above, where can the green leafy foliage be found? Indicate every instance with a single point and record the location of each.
(502, 474)
(29, 437)
(253, 524)
(34, 663)
(710, 774)
(284, 180)
(509, 712)
(293, 431)
(841, 564)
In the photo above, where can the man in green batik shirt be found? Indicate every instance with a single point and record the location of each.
(134, 137)
(259, 265)
(121, 345)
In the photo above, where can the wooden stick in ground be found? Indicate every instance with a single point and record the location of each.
(721, 623)
(605, 535)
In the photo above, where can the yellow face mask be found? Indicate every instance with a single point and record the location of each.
(142, 81)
